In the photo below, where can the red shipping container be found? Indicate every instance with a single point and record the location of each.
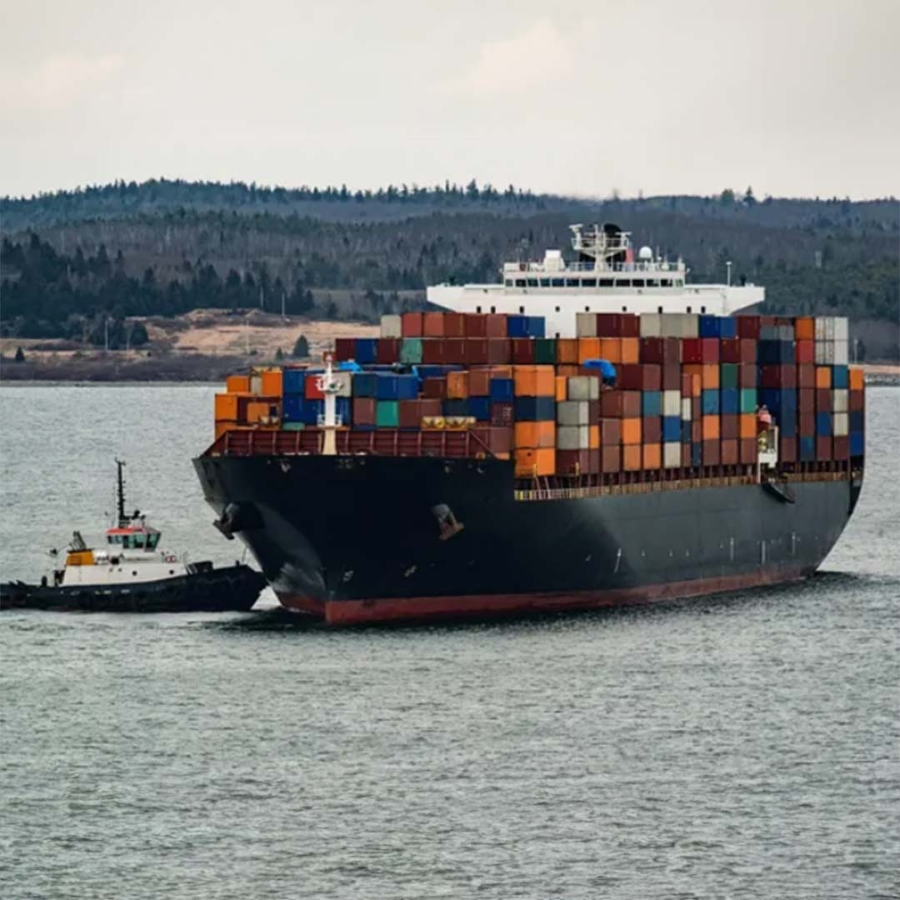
(455, 351)
(729, 425)
(454, 325)
(611, 403)
(495, 327)
(651, 350)
(840, 447)
(363, 411)
(475, 325)
(573, 462)
(629, 377)
(433, 352)
(747, 350)
(502, 414)
(651, 377)
(806, 352)
(709, 350)
(857, 401)
(479, 383)
(311, 389)
(787, 451)
(730, 453)
(651, 430)
(631, 404)
(748, 326)
(610, 432)
(806, 376)
(413, 411)
(824, 448)
(711, 453)
(692, 351)
(696, 430)
(344, 349)
(522, 351)
(747, 375)
(387, 351)
(629, 325)
(685, 456)
(672, 350)
(593, 411)
(435, 388)
(730, 352)
(495, 438)
(823, 400)
(411, 324)
(476, 351)
(748, 450)
(611, 458)
(433, 324)
(499, 352)
(687, 387)
(784, 377)
(671, 377)
(609, 325)
(806, 400)
(806, 424)
(768, 321)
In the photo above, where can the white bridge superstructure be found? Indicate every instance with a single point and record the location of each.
(605, 278)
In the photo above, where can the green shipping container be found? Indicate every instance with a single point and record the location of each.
(729, 375)
(545, 352)
(292, 426)
(748, 400)
(387, 414)
(411, 351)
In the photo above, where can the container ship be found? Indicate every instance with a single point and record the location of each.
(585, 433)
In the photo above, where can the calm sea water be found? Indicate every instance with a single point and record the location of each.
(737, 747)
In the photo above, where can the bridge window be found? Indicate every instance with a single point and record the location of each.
(679, 283)
(508, 282)
(493, 309)
(689, 309)
(572, 282)
(520, 282)
(666, 282)
(637, 282)
(557, 282)
(624, 309)
(652, 282)
(557, 309)
(589, 282)
(545, 282)
(703, 309)
(532, 282)
(587, 309)
(659, 309)
(478, 309)
(606, 282)
(623, 282)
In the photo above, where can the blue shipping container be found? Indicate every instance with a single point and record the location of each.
(671, 429)
(502, 390)
(517, 326)
(457, 407)
(696, 454)
(823, 424)
(293, 381)
(407, 387)
(366, 350)
(727, 327)
(857, 421)
(787, 423)
(292, 407)
(729, 402)
(840, 377)
(386, 387)
(480, 408)
(685, 432)
(365, 384)
(536, 326)
(651, 403)
(807, 449)
(709, 327)
(709, 403)
(778, 401)
(857, 443)
(535, 409)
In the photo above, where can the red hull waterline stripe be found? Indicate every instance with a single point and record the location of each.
(355, 612)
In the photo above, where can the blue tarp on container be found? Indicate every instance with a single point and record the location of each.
(432, 371)
(840, 377)
(535, 409)
(349, 365)
(671, 429)
(366, 350)
(293, 381)
(823, 424)
(651, 403)
(709, 403)
(604, 366)
(502, 390)
(729, 402)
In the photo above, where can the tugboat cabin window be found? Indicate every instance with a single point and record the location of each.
(545, 282)
(606, 282)
(532, 282)
(520, 282)
(557, 282)
(589, 282)
(572, 282)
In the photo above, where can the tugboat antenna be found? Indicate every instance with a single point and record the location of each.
(120, 493)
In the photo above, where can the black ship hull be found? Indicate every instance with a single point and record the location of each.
(361, 539)
(230, 589)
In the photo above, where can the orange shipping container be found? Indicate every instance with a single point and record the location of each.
(257, 411)
(534, 381)
(748, 425)
(457, 385)
(588, 348)
(238, 384)
(227, 407)
(631, 432)
(611, 349)
(433, 324)
(567, 351)
(479, 383)
(568, 371)
(652, 456)
(630, 350)
(560, 388)
(823, 376)
(533, 463)
(272, 382)
(594, 437)
(710, 376)
(857, 379)
(696, 386)
(631, 458)
(222, 427)
(534, 435)
(711, 428)
(805, 328)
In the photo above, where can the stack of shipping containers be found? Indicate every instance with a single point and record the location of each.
(686, 394)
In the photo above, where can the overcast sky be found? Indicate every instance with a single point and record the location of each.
(793, 97)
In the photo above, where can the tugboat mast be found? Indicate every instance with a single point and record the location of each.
(120, 494)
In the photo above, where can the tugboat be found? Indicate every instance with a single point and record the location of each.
(133, 574)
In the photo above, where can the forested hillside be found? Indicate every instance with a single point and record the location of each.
(163, 248)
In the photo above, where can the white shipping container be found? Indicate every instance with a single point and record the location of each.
(686, 409)
(671, 456)
(256, 384)
(841, 424)
(841, 328)
(825, 353)
(583, 387)
(841, 353)
(671, 403)
(650, 324)
(840, 400)
(572, 412)
(573, 438)
(690, 325)
(391, 326)
(345, 380)
(820, 328)
(670, 324)
(829, 328)
(585, 324)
